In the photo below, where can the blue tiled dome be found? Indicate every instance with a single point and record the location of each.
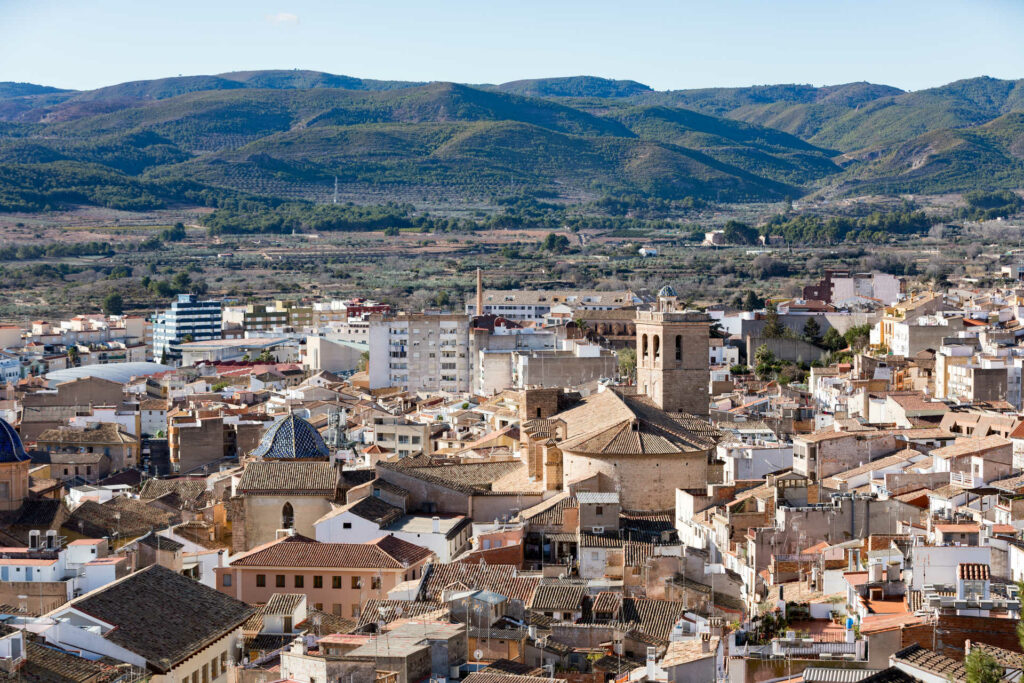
(291, 438)
(11, 448)
(667, 291)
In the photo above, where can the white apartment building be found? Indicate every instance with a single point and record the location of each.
(420, 352)
(188, 319)
(533, 305)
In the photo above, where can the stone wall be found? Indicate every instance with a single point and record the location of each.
(263, 516)
(795, 350)
(645, 482)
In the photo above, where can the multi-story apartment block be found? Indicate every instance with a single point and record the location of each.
(985, 380)
(10, 369)
(420, 352)
(346, 310)
(257, 317)
(188, 319)
(534, 306)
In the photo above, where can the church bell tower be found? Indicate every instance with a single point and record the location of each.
(672, 356)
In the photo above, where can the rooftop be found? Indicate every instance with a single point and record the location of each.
(387, 552)
(154, 614)
(610, 423)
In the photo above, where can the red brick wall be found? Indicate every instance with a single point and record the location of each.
(922, 635)
(952, 631)
(510, 554)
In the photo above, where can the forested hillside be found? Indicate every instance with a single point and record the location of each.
(289, 134)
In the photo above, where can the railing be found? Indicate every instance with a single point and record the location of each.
(965, 480)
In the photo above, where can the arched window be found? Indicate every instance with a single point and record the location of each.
(679, 347)
(643, 346)
(657, 346)
(287, 516)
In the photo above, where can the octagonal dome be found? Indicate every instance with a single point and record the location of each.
(291, 438)
(11, 448)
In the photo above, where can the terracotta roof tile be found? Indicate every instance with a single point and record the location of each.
(154, 614)
(611, 423)
(549, 597)
(296, 477)
(972, 571)
(298, 551)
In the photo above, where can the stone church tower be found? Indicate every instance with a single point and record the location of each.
(672, 361)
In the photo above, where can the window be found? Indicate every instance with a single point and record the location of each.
(657, 346)
(261, 580)
(318, 582)
(300, 581)
(336, 583)
(375, 583)
(226, 580)
(599, 510)
(287, 516)
(223, 661)
(643, 346)
(319, 606)
(346, 525)
(355, 611)
(279, 581)
(195, 677)
(213, 668)
(679, 347)
(357, 582)
(206, 673)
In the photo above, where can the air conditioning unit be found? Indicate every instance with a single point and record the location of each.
(597, 529)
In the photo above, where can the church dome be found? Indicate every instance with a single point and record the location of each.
(667, 291)
(11, 448)
(291, 438)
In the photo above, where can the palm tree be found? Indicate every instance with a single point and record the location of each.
(583, 327)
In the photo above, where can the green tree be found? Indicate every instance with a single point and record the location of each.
(364, 361)
(627, 363)
(736, 232)
(752, 302)
(982, 667)
(73, 357)
(773, 327)
(181, 281)
(812, 331)
(833, 341)
(555, 243)
(174, 234)
(582, 326)
(764, 362)
(113, 304)
(858, 336)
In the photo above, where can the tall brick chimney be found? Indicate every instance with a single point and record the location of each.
(479, 292)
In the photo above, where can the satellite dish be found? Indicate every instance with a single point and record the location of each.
(478, 655)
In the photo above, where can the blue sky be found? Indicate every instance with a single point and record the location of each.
(682, 44)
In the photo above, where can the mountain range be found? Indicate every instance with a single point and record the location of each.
(289, 134)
